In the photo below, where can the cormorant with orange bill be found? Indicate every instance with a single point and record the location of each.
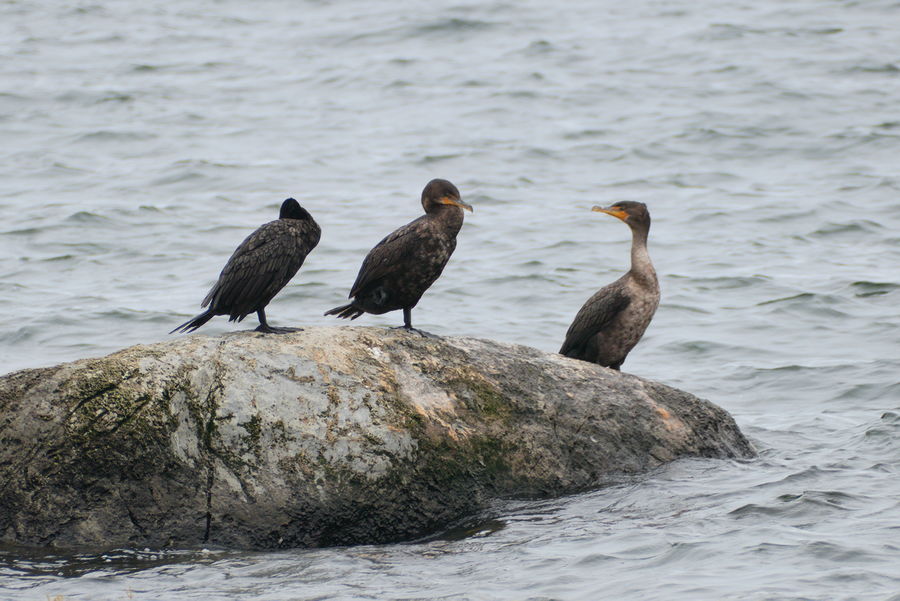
(397, 272)
(612, 321)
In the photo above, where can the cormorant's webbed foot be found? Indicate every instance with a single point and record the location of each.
(407, 325)
(267, 329)
(421, 333)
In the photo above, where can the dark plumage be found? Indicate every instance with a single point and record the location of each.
(259, 268)
(400, 268)
(612, 321)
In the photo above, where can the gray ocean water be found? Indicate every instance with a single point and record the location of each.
(141, 141)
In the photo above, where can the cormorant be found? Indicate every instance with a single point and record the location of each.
(400, 268)
(259, 268)
(613, 320)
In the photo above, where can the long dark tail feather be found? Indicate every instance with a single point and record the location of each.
(194, 323)
(345, 311)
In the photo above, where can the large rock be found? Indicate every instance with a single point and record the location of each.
(324, 437)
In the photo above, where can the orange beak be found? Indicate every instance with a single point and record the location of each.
(614, 210)
(446, 200)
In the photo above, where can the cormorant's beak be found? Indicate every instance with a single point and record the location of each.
(446, 200)
(614, 210)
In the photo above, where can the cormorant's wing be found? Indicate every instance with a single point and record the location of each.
(260, 266)
(388, 255)
(596, 314)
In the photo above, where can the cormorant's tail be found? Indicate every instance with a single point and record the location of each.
(194, 323)
(345, 311)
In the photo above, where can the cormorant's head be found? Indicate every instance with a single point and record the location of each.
(441, 192)
(635, 214)
(291, 209)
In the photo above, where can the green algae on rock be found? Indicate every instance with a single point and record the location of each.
(328, 436)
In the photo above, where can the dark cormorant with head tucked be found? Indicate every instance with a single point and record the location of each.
(397, 272)
(612, 321)
(259, 268)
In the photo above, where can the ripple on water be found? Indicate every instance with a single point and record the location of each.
(799, 510)
(451, 25)
(815, 306)
(885, 434)
(114, 136)
(88, 217)
(866, 289)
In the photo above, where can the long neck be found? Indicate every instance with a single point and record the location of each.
(449, 216)
(641, 266)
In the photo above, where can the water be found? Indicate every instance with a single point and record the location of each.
(143, 141)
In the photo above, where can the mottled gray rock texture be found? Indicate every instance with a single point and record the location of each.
(329, 436)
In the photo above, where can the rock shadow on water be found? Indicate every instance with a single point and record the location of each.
(37, 563)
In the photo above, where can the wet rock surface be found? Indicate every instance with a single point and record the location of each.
(329, 436)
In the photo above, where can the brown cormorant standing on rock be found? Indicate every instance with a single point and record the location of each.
(613, 320)
(401, 267)
(259, 268)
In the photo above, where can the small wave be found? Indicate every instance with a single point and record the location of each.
(200, 164)
(437, 158)
(526, 94)
(66, 257)
(807, 505)
(795, 297)
(722, 283)
(687, 309)
(114, 136)
(865, 289)
(889, 68)
(468, 529)
(864, 226)
(587, 133)
(817, 305)
(28, 231)
(886, 430)
(533, 277)
(145, 68)
(452, 25)
(563, 244)
(537, 152)
(115, 97)
(705, 348)
(540, 47)
(729, 31)
(722, 32)
(86, 217)
(14, 96)
(190, 170)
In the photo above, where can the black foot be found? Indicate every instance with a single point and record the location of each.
(267, 329)
(421, 333)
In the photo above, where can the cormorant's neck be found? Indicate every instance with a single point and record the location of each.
(450, 217)
(641, 266)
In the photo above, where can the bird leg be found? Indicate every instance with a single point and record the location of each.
(267, 329)
(407, 325)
